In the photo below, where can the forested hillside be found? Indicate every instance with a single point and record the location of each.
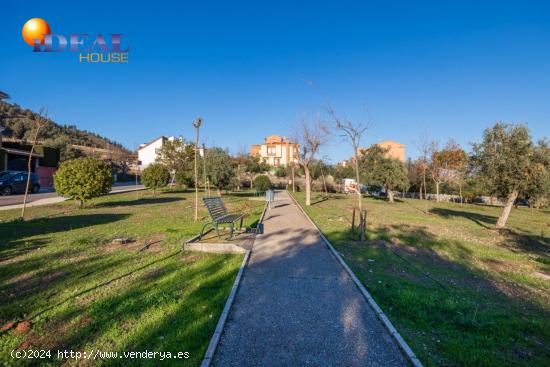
(19, 123)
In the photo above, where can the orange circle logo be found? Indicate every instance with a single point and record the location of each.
(35, 29)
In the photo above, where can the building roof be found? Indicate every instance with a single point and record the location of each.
(142, 146)
(21, 152)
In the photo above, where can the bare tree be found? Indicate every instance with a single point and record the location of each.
(40, 122)
(310, 136)
(353, 133)
(424, 146)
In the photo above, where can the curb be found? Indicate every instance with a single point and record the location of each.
(215, 340)
(407, 351)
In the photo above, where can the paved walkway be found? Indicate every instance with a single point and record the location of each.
(296, 305)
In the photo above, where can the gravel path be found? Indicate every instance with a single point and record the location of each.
(296, 305)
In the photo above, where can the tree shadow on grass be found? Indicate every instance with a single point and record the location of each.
(523, 242)
(434, 286)
(483, 220)
(150, 200)
(13, 235)
(186, 325)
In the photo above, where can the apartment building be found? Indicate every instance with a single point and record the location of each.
(395, 150)
(277, 151)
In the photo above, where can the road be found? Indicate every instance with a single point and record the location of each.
(18, 199)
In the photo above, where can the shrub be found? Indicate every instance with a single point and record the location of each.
(262, 183)
(185, 179)
(281, 172)
(154, 176)
(82, 179)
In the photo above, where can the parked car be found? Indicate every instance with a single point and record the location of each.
(16, 181)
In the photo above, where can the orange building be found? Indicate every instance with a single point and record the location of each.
(395, 150)
(276, 151)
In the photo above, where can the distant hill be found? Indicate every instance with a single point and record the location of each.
(19, 124)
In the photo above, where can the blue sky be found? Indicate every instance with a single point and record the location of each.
(252, 69)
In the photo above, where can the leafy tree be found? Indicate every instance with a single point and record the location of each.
(262, 183)
(254, 166)
(155, 175)
(177, 155)
(538, 189)
(503, 163)
(379, 170)
(448, 165)
(281, 171)
(82, 179)
(220, 168)
(185, 178)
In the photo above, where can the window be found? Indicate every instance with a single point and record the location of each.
(271, 150)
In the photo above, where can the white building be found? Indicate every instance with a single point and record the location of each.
(148, 153)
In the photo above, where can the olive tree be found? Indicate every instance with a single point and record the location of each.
(82, 179)
(379, 170)
(503, 163)
(155, 175)
(220, 168)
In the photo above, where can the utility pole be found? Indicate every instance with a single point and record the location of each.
(197, 124)
(205, 178)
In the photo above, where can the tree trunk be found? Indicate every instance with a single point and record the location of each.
(390, 195)
(308, 186)
(437, 192)
(460, 193)
(425, 193)
(324, 183)
(359, 196)
(501, 223)
(29, 169)
(293, 181)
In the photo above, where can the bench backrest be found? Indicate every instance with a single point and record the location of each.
(215, 207)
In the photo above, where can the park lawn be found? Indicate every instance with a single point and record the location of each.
(65, 286)
(460, 292)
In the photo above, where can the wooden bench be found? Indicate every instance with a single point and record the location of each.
(219, 215)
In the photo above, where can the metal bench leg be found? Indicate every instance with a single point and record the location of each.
(241, 225)
(231, 232)
(202, 230)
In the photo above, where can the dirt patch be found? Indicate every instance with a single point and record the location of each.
(152, 244)
(191, 258)
(55, 334)
(22, 328)
(7, 326)
(153, 274)
(541, 275)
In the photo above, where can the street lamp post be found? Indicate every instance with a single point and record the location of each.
(197, 124)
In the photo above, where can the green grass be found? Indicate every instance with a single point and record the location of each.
(460, 292)
(61, 272)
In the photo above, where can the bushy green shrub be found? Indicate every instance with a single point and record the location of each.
(154, 176)
(185, 179)
(262, 183)
(281, 172)
(82, 179)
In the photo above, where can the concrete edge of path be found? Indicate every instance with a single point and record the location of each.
(409, 354)
(215, 340)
